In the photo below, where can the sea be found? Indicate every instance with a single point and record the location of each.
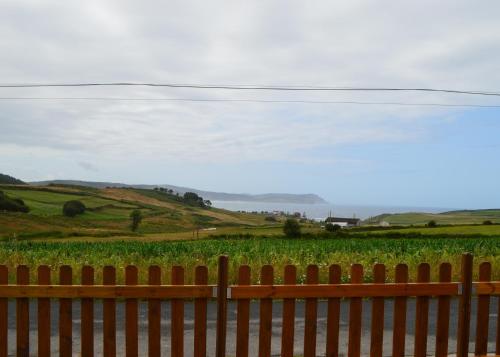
(321, 211)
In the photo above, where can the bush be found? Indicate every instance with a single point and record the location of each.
(432, 224)
(291, 228)
(136, 218)
(12, 204)
(332, 227)
(270, 219)
(488, 223)
(193, 199)
(73, 208)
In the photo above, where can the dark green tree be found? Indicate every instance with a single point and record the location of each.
(191, 197)
(136, 219)
(292, 228)
(432, 224)
(12, 204)
(332, 227)
(73, 208)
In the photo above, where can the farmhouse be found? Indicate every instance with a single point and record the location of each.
(343, 222)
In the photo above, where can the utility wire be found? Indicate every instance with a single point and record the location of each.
(251, 101)
(252, 87)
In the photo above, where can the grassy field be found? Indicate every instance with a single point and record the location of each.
(464, 231)
(268, 231)
(256, 252)
(107, 213)
(452, 230)
(453, 217)
(46, 203)
(168, 236)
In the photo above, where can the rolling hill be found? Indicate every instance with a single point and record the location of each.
(450, 217)
(209, 195)
(108, 211)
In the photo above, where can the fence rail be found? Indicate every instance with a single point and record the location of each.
(243, 292)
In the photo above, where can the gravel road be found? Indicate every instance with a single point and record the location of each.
(277, 311)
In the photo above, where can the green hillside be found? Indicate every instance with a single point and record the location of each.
(451, 217)
(9, 180)
(439, 231)
(108, 211)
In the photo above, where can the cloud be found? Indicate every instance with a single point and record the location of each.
(88, 166)
(451, 44)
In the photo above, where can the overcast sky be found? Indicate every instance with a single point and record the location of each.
(349, 154)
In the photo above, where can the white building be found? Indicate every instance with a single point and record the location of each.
(344, 222)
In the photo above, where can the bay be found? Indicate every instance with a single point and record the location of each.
(321, 211)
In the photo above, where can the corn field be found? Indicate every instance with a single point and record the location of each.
(254, 252)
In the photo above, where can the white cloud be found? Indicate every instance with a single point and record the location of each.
(447, 44)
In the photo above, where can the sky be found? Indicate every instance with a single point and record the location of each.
(349, 154)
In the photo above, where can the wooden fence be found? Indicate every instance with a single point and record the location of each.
(243, 293)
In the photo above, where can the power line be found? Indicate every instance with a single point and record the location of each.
(253, 87)
(251, 101)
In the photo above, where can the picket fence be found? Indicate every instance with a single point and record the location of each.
(243, 292)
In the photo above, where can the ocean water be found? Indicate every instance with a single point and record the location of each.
(321, 211)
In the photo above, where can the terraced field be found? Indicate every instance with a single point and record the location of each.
(108, 212)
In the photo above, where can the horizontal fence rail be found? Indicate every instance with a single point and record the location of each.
(343, 290)
(106, 291)
(243, 292)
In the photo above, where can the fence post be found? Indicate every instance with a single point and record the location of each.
(4, 314)
(222, 284)
(464, 307)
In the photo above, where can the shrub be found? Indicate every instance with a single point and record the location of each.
(432, 224)
(12, 204)
(270, 219)
(332, 227)
(488, 223)
(136, 218)
(193, 199)
(73, 208)
(291, 228)
(19, 201)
